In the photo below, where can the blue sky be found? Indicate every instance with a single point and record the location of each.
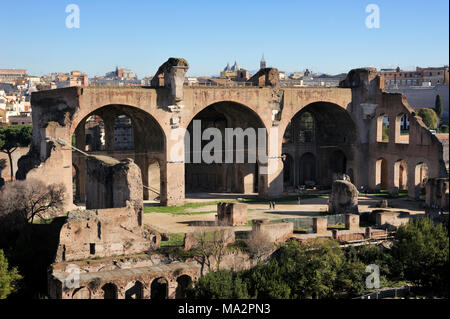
(325, 36)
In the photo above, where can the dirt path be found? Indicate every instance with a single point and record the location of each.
(182, 223)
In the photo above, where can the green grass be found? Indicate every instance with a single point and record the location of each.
(43, 221)
(175, 240)
(337, 226)
(181, 210)
(386, 195)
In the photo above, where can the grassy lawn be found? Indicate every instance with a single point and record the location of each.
(386, 195)
(337, 226)
(175, 240)
(43, 221)
(181, 210)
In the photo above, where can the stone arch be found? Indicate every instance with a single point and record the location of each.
(252, 108)
(110, 291)
(159, 288)
(322, 128)
(401, 175)
(223, 176)
(81, 293)
(149, 139)
(184, 282)
(381, 174)
(134, 290)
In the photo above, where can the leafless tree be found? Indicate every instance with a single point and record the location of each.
(259, 245)
(211, 246)
(29, 199)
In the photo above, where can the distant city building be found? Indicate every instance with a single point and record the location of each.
(11, 75)
(62, 80)
(262, 64)
(235, 73)
(121, 74)
(23, 118)
(118, 77)
(419, 77)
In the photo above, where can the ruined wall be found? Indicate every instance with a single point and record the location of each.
(273, 232)
(437, 193)
(111, 183)
(232, 214)
(171, 107)
(102, 233)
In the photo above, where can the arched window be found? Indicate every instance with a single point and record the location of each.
(383, 129)
(159, 289)
(109, 291)
(136, 291)
(184, 282)
(381, 174)
(402, 129)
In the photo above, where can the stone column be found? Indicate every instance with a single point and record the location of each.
(275, 177)
(413, 191)
(271, 172)
(173, 170)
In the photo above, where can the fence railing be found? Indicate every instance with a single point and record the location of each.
(398, 292)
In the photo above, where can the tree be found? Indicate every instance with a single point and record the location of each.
(211, 246)
(12, 137)
(221, 284)
(23, 201)
(8, 277)
(438, 106)
(259, 246)
(421, 254)
(429, 118)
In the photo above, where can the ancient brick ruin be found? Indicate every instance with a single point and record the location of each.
(320, 133)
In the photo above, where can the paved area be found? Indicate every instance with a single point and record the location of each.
(173, 223)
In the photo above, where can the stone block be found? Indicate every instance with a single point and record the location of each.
(320, 225)
(232, 214)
